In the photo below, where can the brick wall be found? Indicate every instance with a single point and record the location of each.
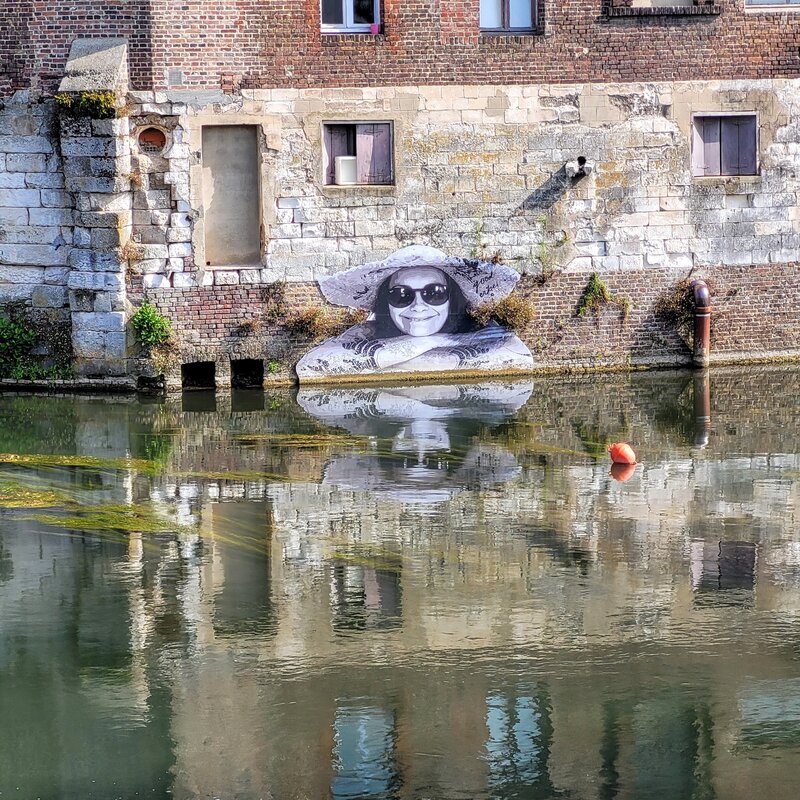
(754, 316)
(252, 44)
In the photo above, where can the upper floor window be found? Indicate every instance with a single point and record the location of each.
(507, 15)
(724, 145)
(349, 15)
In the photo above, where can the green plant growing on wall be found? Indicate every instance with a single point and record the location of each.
(513, 312)
(273, 367)
(273, 296)
(19, 335)
(596, 295)
(320, 322)
(675, 307)
(17, 339)
(151, 326)
(92, 105)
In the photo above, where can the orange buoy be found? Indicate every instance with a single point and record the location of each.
(622, 453)
(621, 472)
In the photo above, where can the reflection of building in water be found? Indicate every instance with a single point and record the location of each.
(548, 634)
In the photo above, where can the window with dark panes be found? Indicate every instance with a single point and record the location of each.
(370, 143)
(507, 15)
(349, 15)
(724, 145)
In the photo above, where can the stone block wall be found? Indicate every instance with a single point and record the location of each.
(36, 213)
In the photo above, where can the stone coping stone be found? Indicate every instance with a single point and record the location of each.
(96, 65)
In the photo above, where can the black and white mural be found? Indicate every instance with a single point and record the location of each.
(418, 299)
(427, 438)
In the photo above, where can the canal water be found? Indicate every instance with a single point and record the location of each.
(404, 592)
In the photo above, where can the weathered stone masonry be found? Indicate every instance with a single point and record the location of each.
(91, 223)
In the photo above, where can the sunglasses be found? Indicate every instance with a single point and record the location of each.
(434, 294)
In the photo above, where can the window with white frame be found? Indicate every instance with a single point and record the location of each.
(363, 151)
(508, 15)
(724, 144)
(349, 15)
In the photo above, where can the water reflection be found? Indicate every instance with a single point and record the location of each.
(424, 437)
(414, 592)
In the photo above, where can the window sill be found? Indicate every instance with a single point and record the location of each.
(512, 37)
(359, 188)
(726, 178)
(771, 8)
(662, 11)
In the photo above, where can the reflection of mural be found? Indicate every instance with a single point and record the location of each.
(418, 299)
(425, 437)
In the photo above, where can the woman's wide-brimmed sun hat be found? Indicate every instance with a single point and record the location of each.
(480, 281)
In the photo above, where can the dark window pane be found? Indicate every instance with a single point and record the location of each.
(332, 12)
(363, 11)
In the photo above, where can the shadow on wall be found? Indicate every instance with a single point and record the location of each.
(550, 192)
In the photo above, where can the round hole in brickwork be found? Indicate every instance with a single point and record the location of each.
(152, 141)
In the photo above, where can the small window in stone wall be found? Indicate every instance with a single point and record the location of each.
(724, 145)
(358, 153)
(152, 141)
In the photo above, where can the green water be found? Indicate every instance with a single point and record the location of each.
(431, 592)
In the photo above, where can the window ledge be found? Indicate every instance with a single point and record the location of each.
(359, 188)
(508, 37)
(771, 8)
(726, 178)
(661, 11)
(362, 37)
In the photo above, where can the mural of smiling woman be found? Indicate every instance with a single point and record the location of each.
(418, 299)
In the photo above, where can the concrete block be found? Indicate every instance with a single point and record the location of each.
(250, 276)
(49, 297)
(290, 231)
(31, 234)
(180, 220)
(56, 275)
(81, 237)
(20, 198)
(88, 344)
(226, 278)
(15, 292)
(13, 216)
(33, 254)
(102, 303)
(84, 281)
(48, 217)
(12, 180)
(93, 147)
(184, 280)
(175, 264)
(156, 281)
(90, 261)
(113, 321)
(45, 180)
(179, 250)
(15, 274)
(288, 202)
(25, 144)
(26, 162)
(149, 266)
(175, 235)
(105, 238)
